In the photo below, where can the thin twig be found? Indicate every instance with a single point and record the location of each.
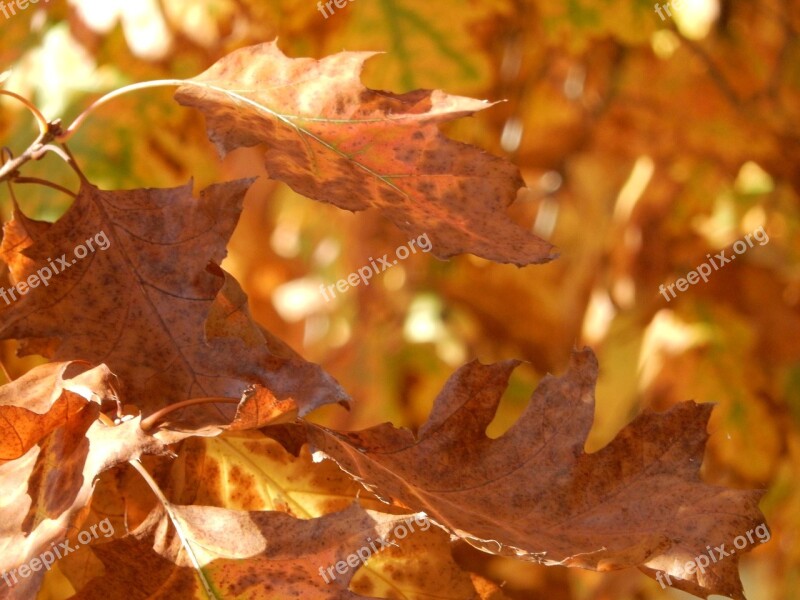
(717, 76)
(39, 154)
(10, 169)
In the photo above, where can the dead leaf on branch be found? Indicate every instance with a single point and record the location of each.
(334, 140)
(258, 407)
(49, 487)
(61, 444)
(250, 471)
(260, 555)
(141, 305)
(534, 492)
(44, 399)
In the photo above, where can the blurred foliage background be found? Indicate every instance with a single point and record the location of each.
(645, 143)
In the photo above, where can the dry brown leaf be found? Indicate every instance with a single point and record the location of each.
(45, 398)
(333, 140)
(141, 305)
(260, 408)
(253, 555)
(250, 471)
(534, 492)
(48, 489)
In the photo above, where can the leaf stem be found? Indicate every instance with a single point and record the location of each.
(148, 423)
(69, 131)
(43, 124)
(5, 371)
(73, 163)
(38, 181)
(173, 517)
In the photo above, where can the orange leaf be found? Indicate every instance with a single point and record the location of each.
(140, 304)
(535, 493)
(44, 399)
(333, 140)
(254, 555)
(48, 489)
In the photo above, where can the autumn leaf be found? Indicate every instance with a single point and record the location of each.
(535, 493)
(250, 471)
(333, 140)
(48, 488)
(44, 399)
(256, 555)
(650, 139)
(139, 301)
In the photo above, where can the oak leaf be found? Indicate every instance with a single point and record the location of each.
(334, 140)
(254, 555)
(535, 493)
(141, 303)
(250, 471)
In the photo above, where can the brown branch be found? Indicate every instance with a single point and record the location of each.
(35, 151)
(717, 76)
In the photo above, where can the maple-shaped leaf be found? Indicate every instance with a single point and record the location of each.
(534, 492)
(129, 279)
(257, 555)
(48, 488)
(334, 140)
